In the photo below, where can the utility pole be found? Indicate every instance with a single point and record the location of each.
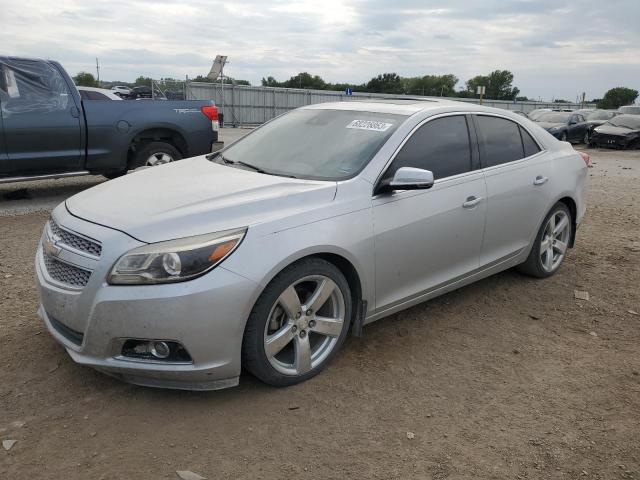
(97, 71)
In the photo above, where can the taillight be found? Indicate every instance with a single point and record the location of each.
(586, 158)
(211, 112)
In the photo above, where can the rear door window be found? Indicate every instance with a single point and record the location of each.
(441, 146)
(499, 140)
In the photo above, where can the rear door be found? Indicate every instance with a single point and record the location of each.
(41, 120)
(427, 238)
(518, 176)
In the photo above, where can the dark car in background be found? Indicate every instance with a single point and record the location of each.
(48, 130)
(565, 126)
(621, 132)
(594, 119)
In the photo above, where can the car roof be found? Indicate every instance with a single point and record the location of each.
(401, 106)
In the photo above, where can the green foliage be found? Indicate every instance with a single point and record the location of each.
(85, 79)
(498, 85)
(385, 83)
(522, 99)
(142, 81)
(618, 97)
(560, 100)
(431, 85)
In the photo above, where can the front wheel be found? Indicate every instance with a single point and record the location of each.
(551, 243)
(587, 138)
(298, 324)
(563, 137)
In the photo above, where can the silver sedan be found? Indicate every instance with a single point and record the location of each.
(268, 254)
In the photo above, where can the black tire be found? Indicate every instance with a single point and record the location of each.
(532, 266)
(586, 139)
(146, 150)
(254, 358)
(563, 137)
(114, 174)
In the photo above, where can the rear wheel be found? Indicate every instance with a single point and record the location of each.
(155, 153)
(586, 139)
(298, 324)
(563, 137)
(551, 243)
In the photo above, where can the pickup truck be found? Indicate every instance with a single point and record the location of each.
(47, 130)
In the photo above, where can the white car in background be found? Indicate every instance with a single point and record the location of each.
(121, 90)
(92, 93)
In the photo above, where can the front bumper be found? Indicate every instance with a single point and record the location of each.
(206, 315)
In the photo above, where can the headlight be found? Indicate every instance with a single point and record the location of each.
(175, 260)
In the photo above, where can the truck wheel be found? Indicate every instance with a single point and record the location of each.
(155, 153)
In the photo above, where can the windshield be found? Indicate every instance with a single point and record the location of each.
(315, 144)
(628, 121)
(600, 115)
(554, 117)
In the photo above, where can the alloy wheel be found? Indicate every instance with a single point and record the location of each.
(304, 325)
(555, 241)
(158, 158)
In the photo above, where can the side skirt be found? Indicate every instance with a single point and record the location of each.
(479, 274)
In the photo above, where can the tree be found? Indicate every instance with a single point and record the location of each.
(497, 83)
(561, 100)
(270, 82)
(85, 79)
(431, 85)
(143, 81)
(385, 83)
(618, 97)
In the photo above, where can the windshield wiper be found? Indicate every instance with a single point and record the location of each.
(228, 161)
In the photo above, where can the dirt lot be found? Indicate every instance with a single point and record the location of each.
(508, 378)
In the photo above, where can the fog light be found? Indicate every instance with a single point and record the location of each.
(160, 350)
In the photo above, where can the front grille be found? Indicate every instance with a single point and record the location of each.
(65, 273)
(70, 334)
(75, 241)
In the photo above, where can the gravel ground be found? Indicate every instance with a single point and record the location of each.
(507, 378)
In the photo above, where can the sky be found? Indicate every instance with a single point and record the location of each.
(555, 49)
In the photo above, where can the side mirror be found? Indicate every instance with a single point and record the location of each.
(408, 178)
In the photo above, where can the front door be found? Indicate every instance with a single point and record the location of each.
(40, 118)
(427, 238)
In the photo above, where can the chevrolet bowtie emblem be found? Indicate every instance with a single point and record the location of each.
(50, 248)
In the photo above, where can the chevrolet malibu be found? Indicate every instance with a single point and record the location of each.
(269, 253)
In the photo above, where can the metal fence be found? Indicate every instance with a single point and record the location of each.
(249, 105)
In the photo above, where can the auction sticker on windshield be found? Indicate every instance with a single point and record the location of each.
(369, 125)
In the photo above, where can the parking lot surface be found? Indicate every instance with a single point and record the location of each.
(508, 378)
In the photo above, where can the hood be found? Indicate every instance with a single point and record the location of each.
(549, 125)
(194, 197)
(612, 130)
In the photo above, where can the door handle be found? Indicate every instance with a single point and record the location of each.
(472, 201)
(540, 180)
